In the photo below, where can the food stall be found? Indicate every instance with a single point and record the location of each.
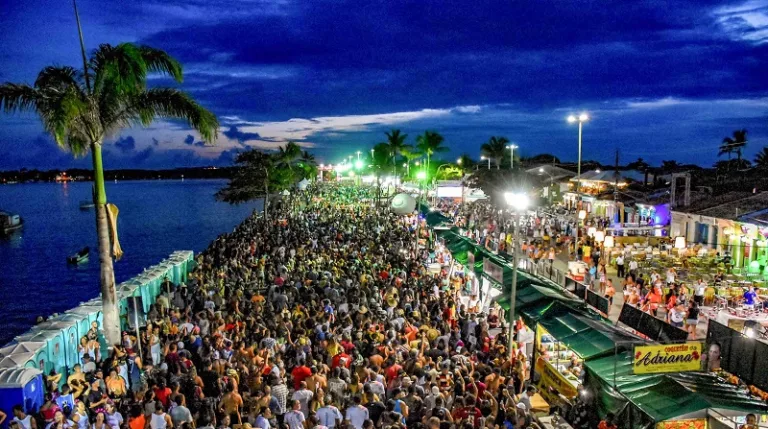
(559, 367)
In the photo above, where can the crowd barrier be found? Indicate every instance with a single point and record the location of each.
(53, 344)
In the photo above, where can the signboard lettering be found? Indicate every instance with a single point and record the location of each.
(667, 358)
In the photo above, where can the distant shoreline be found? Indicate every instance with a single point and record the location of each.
(83, 175)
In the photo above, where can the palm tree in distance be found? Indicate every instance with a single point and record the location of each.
(410, 156)
(761, 159)
(734, 144)
(81, 108)
(396, 142)
(430, 143)
(495, 149)
(465, 162)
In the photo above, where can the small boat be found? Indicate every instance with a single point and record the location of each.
(86, 205)
(79, 257)
(10, 222)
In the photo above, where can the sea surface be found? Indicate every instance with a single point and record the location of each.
(156, 218)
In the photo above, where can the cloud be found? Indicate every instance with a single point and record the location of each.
(155, 141)
(143, 155)
(235, 134)
(126, 144)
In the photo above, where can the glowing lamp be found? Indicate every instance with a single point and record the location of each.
(608, 243)
(591, 231)
(599, 236)
(421, 175)
(582, 214)
(517, 200)
(679, 242)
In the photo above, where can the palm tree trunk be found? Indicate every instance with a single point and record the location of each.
(266, 194)
(111, 321)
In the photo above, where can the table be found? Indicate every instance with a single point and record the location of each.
(546, 422)
(737, 322)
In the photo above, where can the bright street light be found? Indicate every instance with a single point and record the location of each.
(421, 175)
(583, 117)
(458, 161)
(512, 148)
(358, 164)
(489, 160)
(358, 155)
(519, 201)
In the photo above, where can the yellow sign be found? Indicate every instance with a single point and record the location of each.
(551, 378)
(667, 358)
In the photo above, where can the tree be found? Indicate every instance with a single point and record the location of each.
(396, 142)
(256, 175)
(410, 156)
(670, 165)
(81, 108)
(495, 149)
(734, 144)
(466, 162)
(308, 166)
(543, 158)
(639, 165)
(761, 159)
(430, 143)
(379, 162)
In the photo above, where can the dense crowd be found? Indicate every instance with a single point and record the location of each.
(323, 315)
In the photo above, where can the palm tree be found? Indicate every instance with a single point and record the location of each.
(410, 155)
(308, 165)
(253, 177)
(495, 149)
(430, 143)
(734, 144)
(761, 159)
(396, 142)
(81, 108)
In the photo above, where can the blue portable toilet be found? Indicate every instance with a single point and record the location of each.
(21, 386)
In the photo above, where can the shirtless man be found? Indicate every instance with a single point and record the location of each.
(317, 380)
(76, 382)
(230, 405)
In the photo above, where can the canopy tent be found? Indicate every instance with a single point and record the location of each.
(640, 399)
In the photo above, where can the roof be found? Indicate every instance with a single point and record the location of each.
(17, 377)
(734, 205)
(666, 396)
(608, 176)
(553, 171)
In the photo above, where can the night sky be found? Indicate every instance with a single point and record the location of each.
(660, 79)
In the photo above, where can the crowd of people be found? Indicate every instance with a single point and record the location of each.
(322, 315)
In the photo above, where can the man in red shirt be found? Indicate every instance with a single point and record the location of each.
(468, 413)
(299, 374)
(607, 423)
(341, 359)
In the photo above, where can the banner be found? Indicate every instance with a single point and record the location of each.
(550, 377)
(667, 358)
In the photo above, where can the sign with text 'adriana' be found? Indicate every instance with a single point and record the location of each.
(667, 358)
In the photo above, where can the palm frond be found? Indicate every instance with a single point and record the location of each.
(18, 98)
(59, 78)
(173, 104)
(118, 69)
(158, 61)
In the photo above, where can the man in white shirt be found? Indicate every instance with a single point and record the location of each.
(633, 268)
(295, 418)
(329, 416)
(303, 396)
(698, 293)
(357, 414)
(620, 266)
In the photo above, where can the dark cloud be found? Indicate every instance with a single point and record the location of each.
(234, 133)
(155, 141)
(126, 144)
(143, 155)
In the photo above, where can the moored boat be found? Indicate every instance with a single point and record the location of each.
(10, 222)
(80, 256)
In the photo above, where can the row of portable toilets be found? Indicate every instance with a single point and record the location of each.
(53, 344)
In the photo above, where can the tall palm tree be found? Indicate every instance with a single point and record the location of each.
(734, 144)
(429, 144)
(308, 165)
(81, 108)
(396, 142)
(761, 159)
(495, 149)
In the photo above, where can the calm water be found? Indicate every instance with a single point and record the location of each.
(156, 218)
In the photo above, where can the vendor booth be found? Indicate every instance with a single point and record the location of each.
(671, 400)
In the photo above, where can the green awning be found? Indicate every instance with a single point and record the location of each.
(666, 396)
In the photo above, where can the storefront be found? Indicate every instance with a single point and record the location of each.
(559, 367)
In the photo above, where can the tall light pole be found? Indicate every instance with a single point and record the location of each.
(489, 160)
(511, 148)
(519, 202)
(580, 119)
(358, 155)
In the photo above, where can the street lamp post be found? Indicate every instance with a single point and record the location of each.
(518, 202)
(358, 155)
(511, 148)
(489, 160)
(580, 119)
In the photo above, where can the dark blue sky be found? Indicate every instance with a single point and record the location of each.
(661, 79)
